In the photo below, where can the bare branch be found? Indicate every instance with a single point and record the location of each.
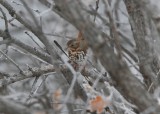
(144, 49)
(27, 74)
(153, 10)
(96, 9)
(12, 61)
(113, 27)
(32, 50)
(5, 19)
(117, 69)
(34, 30)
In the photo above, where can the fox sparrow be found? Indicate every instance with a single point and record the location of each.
(77, 50)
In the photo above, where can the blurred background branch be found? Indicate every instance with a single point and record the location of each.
(85, 56)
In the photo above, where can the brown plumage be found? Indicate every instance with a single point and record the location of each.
(77, 49)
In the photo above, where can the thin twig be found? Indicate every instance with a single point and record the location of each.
(43, 80)
(32, 90)
(73, 80)
(35, 30)
(113, 28)
(12, 61)
(28, 54)
(125, 37)
(151, 85)
(28, 74)
(58, 35)
(5, 19)
(31, 13)
(96, 9)
(19, 4)
(116, 6)
(34, 40)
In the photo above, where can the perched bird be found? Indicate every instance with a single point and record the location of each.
(77, 50)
